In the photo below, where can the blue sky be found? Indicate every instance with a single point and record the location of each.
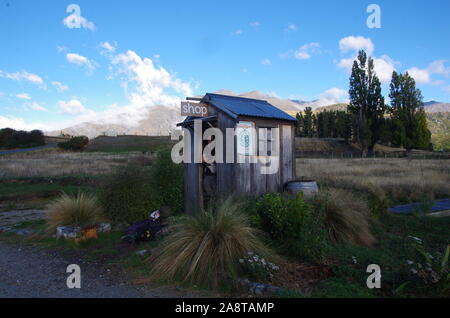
(127, 56)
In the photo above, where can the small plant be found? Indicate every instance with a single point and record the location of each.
(432, 270)
(73, 210)
(127, 196)
(290, 222)
(75, 143)
(257, 267)
(345, 217)
(205, 249)
(167, 181)
(283, 216)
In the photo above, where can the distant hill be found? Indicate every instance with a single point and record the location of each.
(439, 125)
(160, 120)
(436, 107)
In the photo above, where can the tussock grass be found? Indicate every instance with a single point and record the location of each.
(73, 210)
(346, 217)
(204, 250)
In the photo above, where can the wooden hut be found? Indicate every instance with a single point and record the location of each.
(263, 137)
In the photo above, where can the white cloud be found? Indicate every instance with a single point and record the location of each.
(420, 76)
(332, 96)
(145, 84)
(19, 123)
(23, 96)
(23, 75)
(108, 46)
(150, 82)
(423, 76)
(76, 21)
(305, 51)
(291, 28)
(37, 107)
(237, 32)
(72, 107)
(356, 43)
(80, 60)
(383, 65)
(60, 86)
(266, 62)
(272, 94)
(255, 24)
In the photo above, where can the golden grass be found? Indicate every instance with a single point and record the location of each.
(79, 210)
(57, 163)
(346, 217)
(401, 179)
(204, 250)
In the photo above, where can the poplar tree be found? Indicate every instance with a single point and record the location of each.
(409, 120)
(366, 103)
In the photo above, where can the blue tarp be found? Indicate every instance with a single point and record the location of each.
(438, 205)
(7, 152)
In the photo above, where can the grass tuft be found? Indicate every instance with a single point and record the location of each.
(73, 210)
(346, 217)
(204, 250)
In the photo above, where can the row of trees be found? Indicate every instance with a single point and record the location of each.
(368, 120)
(11, 139)
(326, 124)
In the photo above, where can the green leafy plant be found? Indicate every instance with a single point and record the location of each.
(167, 181)
(73, 210)
(432, 270)
(283, 216)
(126, 195)
(291, 224)
(75, 143)
(205, 249)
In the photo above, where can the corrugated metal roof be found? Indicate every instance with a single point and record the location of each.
(241, 106)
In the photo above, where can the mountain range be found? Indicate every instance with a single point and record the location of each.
(161, 120)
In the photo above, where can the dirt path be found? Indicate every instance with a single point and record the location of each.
(26, 271)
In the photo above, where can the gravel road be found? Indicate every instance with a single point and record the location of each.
(26, 271)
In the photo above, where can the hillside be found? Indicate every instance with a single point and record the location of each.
(439, 125)
(160, 120)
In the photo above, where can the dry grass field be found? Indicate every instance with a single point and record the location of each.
(400, 179)
(51, 163)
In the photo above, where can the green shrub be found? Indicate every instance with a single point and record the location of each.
(75, 143)
(167, 181)
(283, 216)
(290, 222)
(205, 249)
(127, 195)
(78, 210)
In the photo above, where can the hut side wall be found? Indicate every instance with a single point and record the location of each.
(248, 177)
